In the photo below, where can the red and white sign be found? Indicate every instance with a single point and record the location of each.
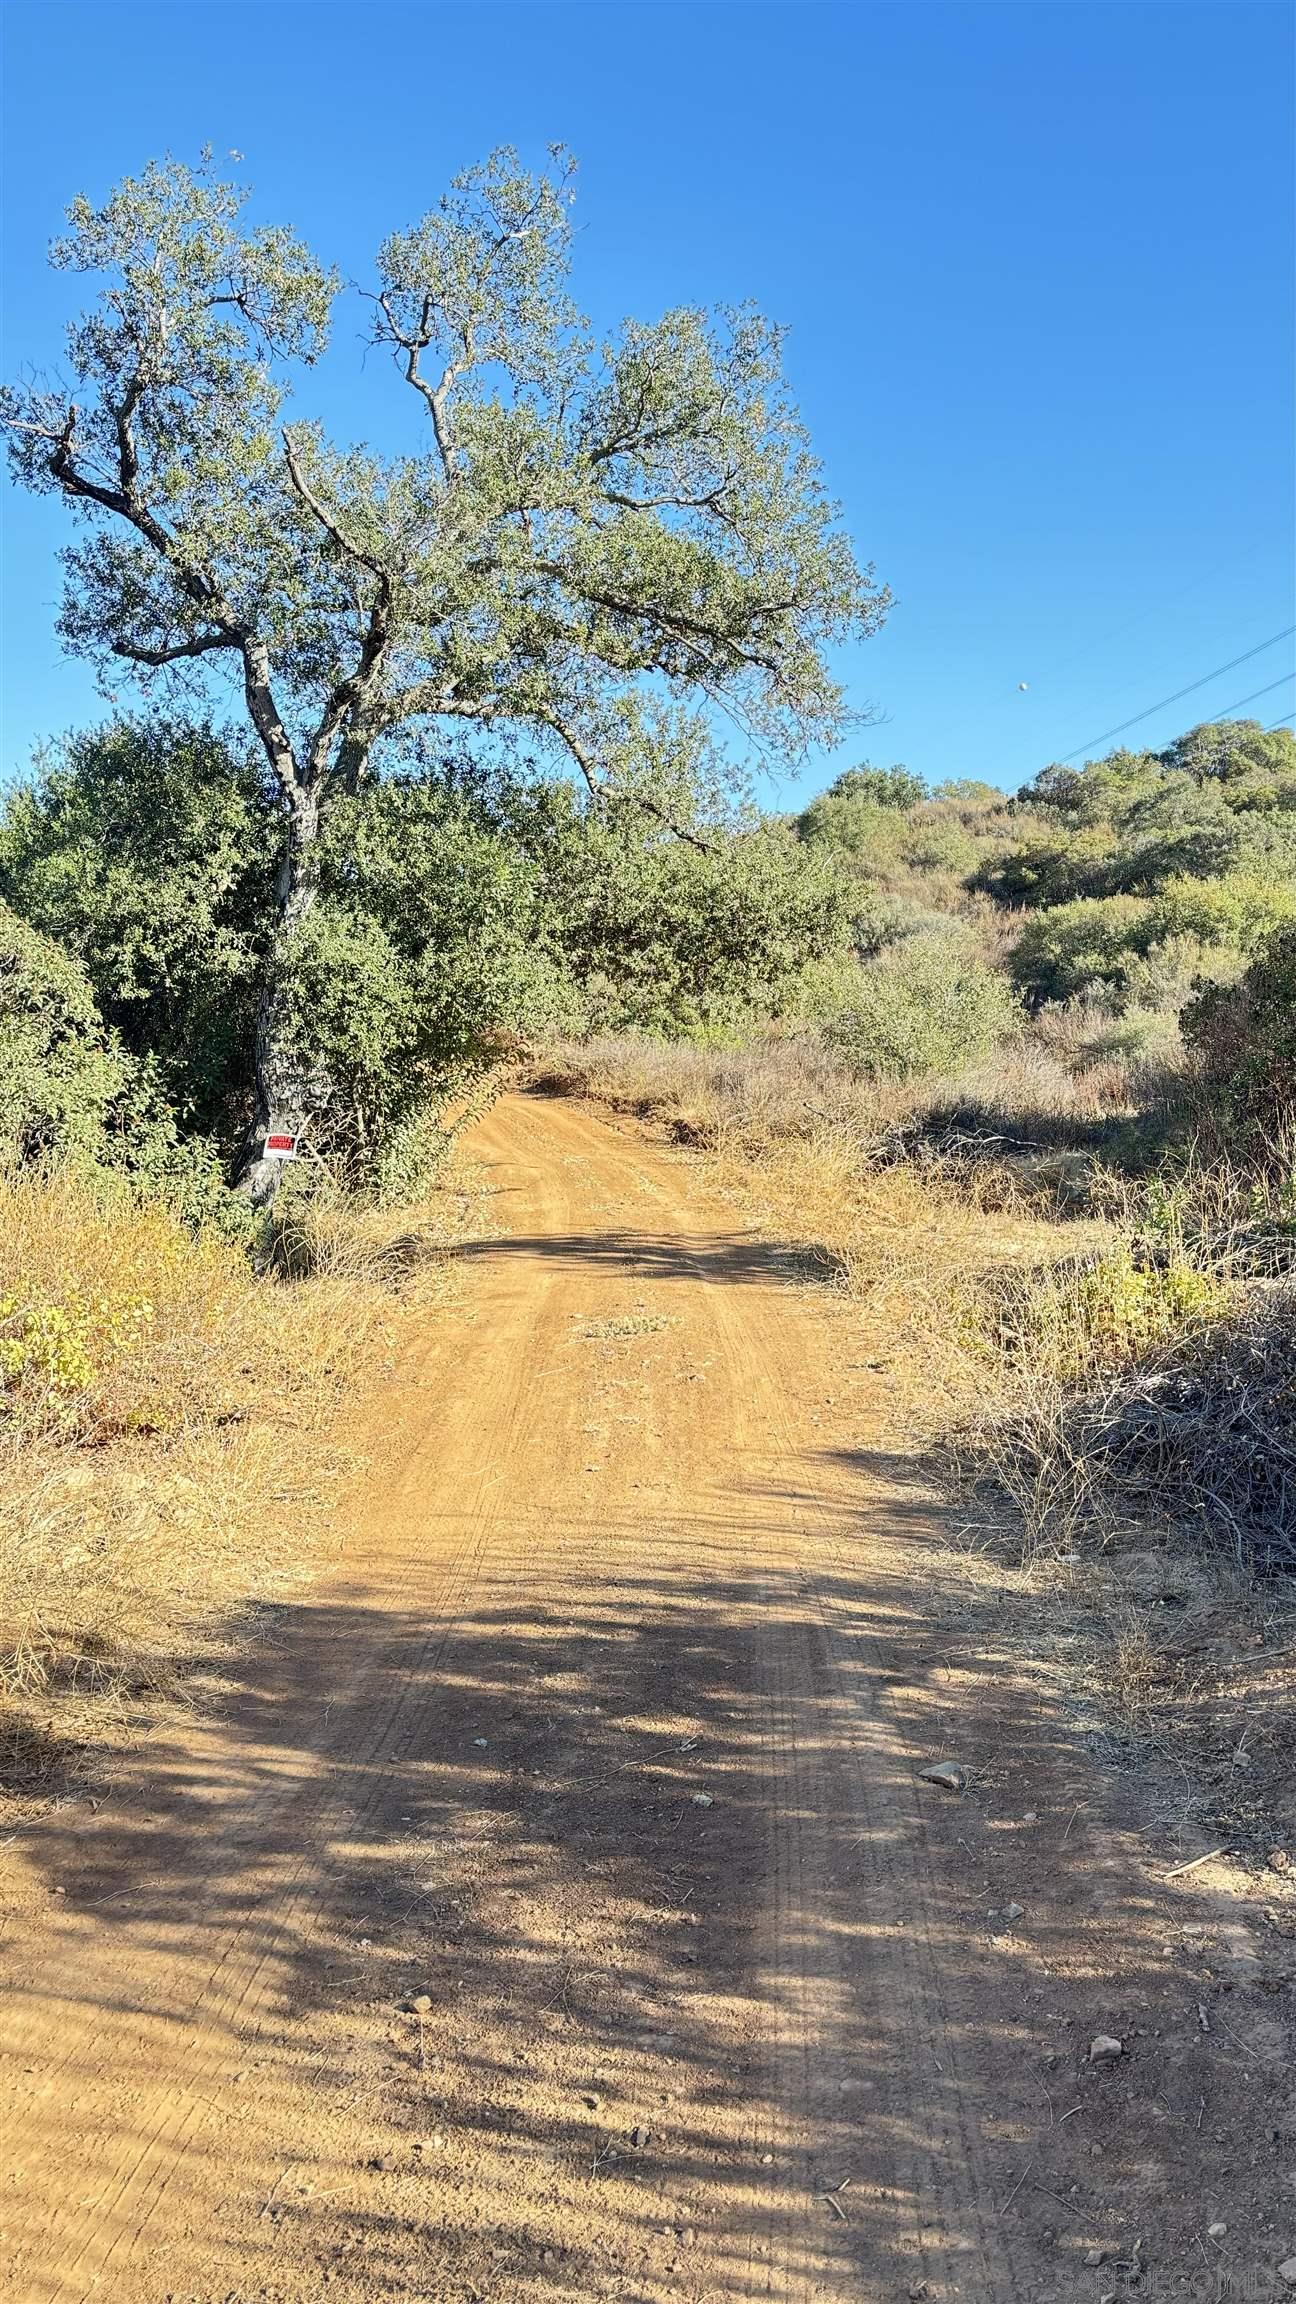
(280, 1142)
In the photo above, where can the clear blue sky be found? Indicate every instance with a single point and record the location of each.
(1036, 259)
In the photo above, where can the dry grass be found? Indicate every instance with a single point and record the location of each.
(622, 1328)
(1060, 1084)
(166, 1438)
(1193, 1437)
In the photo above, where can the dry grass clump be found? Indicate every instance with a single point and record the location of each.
(114, 1319)
(1152, 1386)
(746, 1098)
(165, 1441)
(1193, 1437)
(1057, 1087)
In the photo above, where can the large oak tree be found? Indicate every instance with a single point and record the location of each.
(594, 534)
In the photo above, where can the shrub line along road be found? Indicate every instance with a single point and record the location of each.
(603, 1737)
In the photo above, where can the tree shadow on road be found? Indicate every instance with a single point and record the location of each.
(745, 1258)
(724, 1999)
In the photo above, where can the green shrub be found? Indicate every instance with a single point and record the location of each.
(1244, 1038)
(927, 1005)
(425, 944)
(1078, 1318)
(61, 1073)
(1055, 869)
(146, 849)
(1238, 911)
(845, 816)
(653, 933)
(1080, 947)
(71, 1097)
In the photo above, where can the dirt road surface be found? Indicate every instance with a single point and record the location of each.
(603, 1739)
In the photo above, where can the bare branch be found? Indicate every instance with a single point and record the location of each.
(436, 395)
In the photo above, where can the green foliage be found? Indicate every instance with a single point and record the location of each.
(861, 815)
(1222, 799)
(458, 913)
(1181, 829)
(1046, 869)
(659, 934)
(925, 1006)
(850, 800)
(147, 849)
(1077, 947)
(1146, 949)
(1238, 752)
(1244, 1038)
(1074, 799)
(52, 1351)
(72, 1096)
(426, 945)
(1112, 1309)
(1237, 912)
(61, 1076)
(455, 909)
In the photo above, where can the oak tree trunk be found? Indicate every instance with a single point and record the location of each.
(292, 1091)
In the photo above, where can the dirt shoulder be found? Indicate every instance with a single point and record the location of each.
(604, 1737)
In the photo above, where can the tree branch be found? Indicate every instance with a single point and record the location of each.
(602, 789)
(202, 645)
(200, 586)
(344, 708)
(264, 714)
(327, 522)
(436, 395)
(675, 621)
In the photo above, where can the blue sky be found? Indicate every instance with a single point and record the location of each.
(1036, 260)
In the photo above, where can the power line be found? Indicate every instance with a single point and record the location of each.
(1053, 666)
(1222, 711)
(1190, 690)
(1089, 648)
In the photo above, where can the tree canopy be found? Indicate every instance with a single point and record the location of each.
(594, 533)
(584, 516)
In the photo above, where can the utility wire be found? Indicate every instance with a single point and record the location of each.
(1222, 711)
(1190, 690)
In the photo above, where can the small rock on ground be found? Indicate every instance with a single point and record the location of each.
(946, 1773)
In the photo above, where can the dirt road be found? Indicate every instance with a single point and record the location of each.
(603, 1738)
